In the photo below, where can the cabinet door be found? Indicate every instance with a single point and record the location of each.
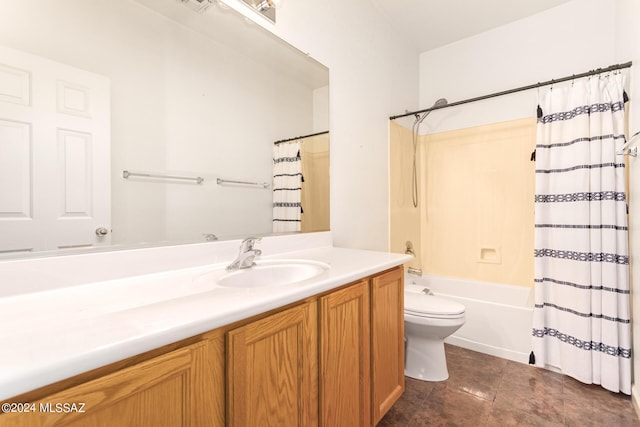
(158, 392)
(211, 389)
(345, 394)
(272, 370)
(387, 340)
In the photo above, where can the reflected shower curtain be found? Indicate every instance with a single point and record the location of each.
(582, 310)
(287, 186)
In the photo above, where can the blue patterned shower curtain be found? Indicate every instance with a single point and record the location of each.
(582, 310)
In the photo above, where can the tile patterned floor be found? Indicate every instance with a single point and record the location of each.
(483, 390)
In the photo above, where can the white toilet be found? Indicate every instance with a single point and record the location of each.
(428, 320)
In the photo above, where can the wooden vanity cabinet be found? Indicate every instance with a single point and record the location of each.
(387, 340)
(345, 357)
(168, 390)
(273, 363)
(272, 370)
(362, 350)
(333, 360)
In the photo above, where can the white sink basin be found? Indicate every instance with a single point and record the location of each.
(272, 273)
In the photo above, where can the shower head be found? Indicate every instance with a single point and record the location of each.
(415, 130)
(438, 104)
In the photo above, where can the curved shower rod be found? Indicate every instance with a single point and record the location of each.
(519, 89)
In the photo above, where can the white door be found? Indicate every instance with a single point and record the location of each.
(54, 155)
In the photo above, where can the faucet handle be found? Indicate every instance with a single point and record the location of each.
(209, 237)
(247, 244)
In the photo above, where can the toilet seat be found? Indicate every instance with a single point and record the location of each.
(421, 305)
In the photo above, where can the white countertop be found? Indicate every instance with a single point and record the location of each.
(57, 333)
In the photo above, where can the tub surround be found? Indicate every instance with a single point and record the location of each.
(67, 315)
(492, 245)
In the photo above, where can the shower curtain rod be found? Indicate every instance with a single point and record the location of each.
(301, 137)
(519, 89)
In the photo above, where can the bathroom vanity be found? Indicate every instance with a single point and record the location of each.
(327, 350)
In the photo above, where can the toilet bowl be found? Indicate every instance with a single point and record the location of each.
(428, 320)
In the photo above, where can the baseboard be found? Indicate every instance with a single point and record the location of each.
(504, 353)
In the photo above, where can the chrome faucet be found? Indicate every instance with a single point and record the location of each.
(247, 254)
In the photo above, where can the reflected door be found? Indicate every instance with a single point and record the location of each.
(54, 155)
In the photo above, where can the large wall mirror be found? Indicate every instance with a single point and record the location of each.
(142, 122)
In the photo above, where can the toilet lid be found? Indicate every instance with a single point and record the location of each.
(429, 305)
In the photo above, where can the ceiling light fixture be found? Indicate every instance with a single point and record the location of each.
(197, 5)
(265, 8)
(267, 4)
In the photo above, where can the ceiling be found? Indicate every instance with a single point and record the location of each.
(430, 23)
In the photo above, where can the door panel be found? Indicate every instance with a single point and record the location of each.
(387, 340)
(345, 394)
(54, 154)
(273, 371)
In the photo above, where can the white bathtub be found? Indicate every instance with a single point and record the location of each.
(498, 317)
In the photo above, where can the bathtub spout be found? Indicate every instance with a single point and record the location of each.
(414, 271)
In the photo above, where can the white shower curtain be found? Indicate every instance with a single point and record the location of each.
(582, 310)
(287, 186)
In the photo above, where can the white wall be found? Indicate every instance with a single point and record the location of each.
(569, 39)
(628, 48)
(321, 109)
(572, 38)
(373, 74)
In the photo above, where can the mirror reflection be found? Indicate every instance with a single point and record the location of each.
(143, 122)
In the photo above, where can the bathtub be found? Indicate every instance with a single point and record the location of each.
(498, 317)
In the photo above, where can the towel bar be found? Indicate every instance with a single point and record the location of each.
(127, 174)
(221, 181)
